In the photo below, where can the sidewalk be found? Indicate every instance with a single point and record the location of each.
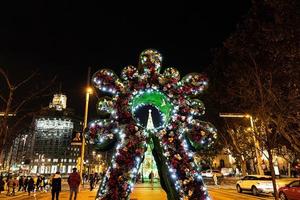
(24, 195)
(140, 192)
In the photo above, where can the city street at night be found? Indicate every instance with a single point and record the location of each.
(145, 101)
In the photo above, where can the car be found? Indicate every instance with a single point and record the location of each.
(227, 172)
(291, 191)
(209, 173)
(256, 184)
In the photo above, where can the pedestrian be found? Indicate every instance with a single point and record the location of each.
(97, 178)
(30, 186)
(42, 184)
(21, 183)
(26, 183)
(15, 186)
(86, 177)
(47, 183)
(92, 181)
(2, 183)
(56, 185)
(10, 184)
(215, 178)
(138, 178)
(38, 183)
(151, 177)
(74, 182)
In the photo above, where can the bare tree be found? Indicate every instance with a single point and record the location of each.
(18, 102)
(241, 145)
(259, 66)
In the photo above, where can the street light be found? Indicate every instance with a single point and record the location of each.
(256, 144)
(89, 91)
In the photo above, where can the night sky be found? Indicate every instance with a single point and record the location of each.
(66, 37)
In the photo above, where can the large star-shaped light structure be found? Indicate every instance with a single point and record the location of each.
(176, 113)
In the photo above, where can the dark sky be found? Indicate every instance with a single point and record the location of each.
(65, 37)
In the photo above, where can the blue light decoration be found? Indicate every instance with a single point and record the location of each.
(179, 128)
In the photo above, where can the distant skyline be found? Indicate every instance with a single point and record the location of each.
(66, 38)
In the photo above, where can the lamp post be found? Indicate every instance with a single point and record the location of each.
(89, 91)
(256, 144)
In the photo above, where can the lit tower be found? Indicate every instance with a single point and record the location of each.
(150, 125)
(149, 164)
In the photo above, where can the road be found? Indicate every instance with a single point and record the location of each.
(231, 194)
(144, 193)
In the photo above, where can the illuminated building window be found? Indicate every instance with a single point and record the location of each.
(59, 102)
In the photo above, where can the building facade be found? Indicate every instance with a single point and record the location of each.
(53, 131)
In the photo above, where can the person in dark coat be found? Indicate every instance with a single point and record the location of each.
(56, 185)
(92, 181)
(30, 186)
(21, 183)
(74, 181)
(38, 183)
(2, 183)
(26, 183)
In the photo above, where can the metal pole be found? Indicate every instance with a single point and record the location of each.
(256, 145)
(84, 127)
(87, 95)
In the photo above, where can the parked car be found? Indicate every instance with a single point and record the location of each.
(227, 171)
(209, 173)
(291, 191)
(256, 184)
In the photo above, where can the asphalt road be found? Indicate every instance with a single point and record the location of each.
(232, 194)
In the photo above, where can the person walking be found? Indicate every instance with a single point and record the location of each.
(26, 183)
(2, 183)
(10, 184)
(92, 181)
(97, 178)
(56, 185)
(42, 184)
(21, 183)
(215, 178)
(30, 186)
(38, 183)
(15, 186)
(151, 177)
(74, 182)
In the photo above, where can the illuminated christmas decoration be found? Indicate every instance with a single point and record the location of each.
(150, 106)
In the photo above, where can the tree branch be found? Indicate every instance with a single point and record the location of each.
(3, 99)
(6, 78)
(18, 107)
(26, 80)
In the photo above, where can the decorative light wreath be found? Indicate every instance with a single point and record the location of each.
(178, 129)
